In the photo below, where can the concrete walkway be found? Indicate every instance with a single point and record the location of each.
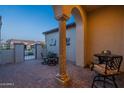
(33, 74)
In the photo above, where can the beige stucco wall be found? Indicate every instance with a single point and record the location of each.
(122, 41)
(106, 30)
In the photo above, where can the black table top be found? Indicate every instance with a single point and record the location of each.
(106, 55)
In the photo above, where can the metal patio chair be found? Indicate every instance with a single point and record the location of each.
(45, 59)
(107, 70)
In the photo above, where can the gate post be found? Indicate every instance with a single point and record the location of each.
(38, 49)
(18, 52)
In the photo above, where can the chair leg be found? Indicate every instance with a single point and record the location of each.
(104, 82)
(94, 81)
(114, 82)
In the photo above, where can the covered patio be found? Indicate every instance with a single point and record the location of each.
(97, 28)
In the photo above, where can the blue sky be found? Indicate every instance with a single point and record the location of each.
(27, 22)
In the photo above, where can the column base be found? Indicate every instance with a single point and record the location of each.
(63, 79)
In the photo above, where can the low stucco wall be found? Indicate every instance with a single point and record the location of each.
(6, 56)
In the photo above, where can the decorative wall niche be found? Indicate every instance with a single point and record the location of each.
(68, 41)
(53, 42)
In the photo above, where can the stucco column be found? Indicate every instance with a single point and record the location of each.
(62, 76)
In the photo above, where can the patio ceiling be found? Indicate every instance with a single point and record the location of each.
(90, 8)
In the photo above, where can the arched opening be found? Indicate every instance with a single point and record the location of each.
(79, 42)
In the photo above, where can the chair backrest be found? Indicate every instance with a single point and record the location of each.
(42, 55)
(115, 63)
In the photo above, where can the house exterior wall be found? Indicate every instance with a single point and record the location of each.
(70, 49)
(49, 38)
(106, 30)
